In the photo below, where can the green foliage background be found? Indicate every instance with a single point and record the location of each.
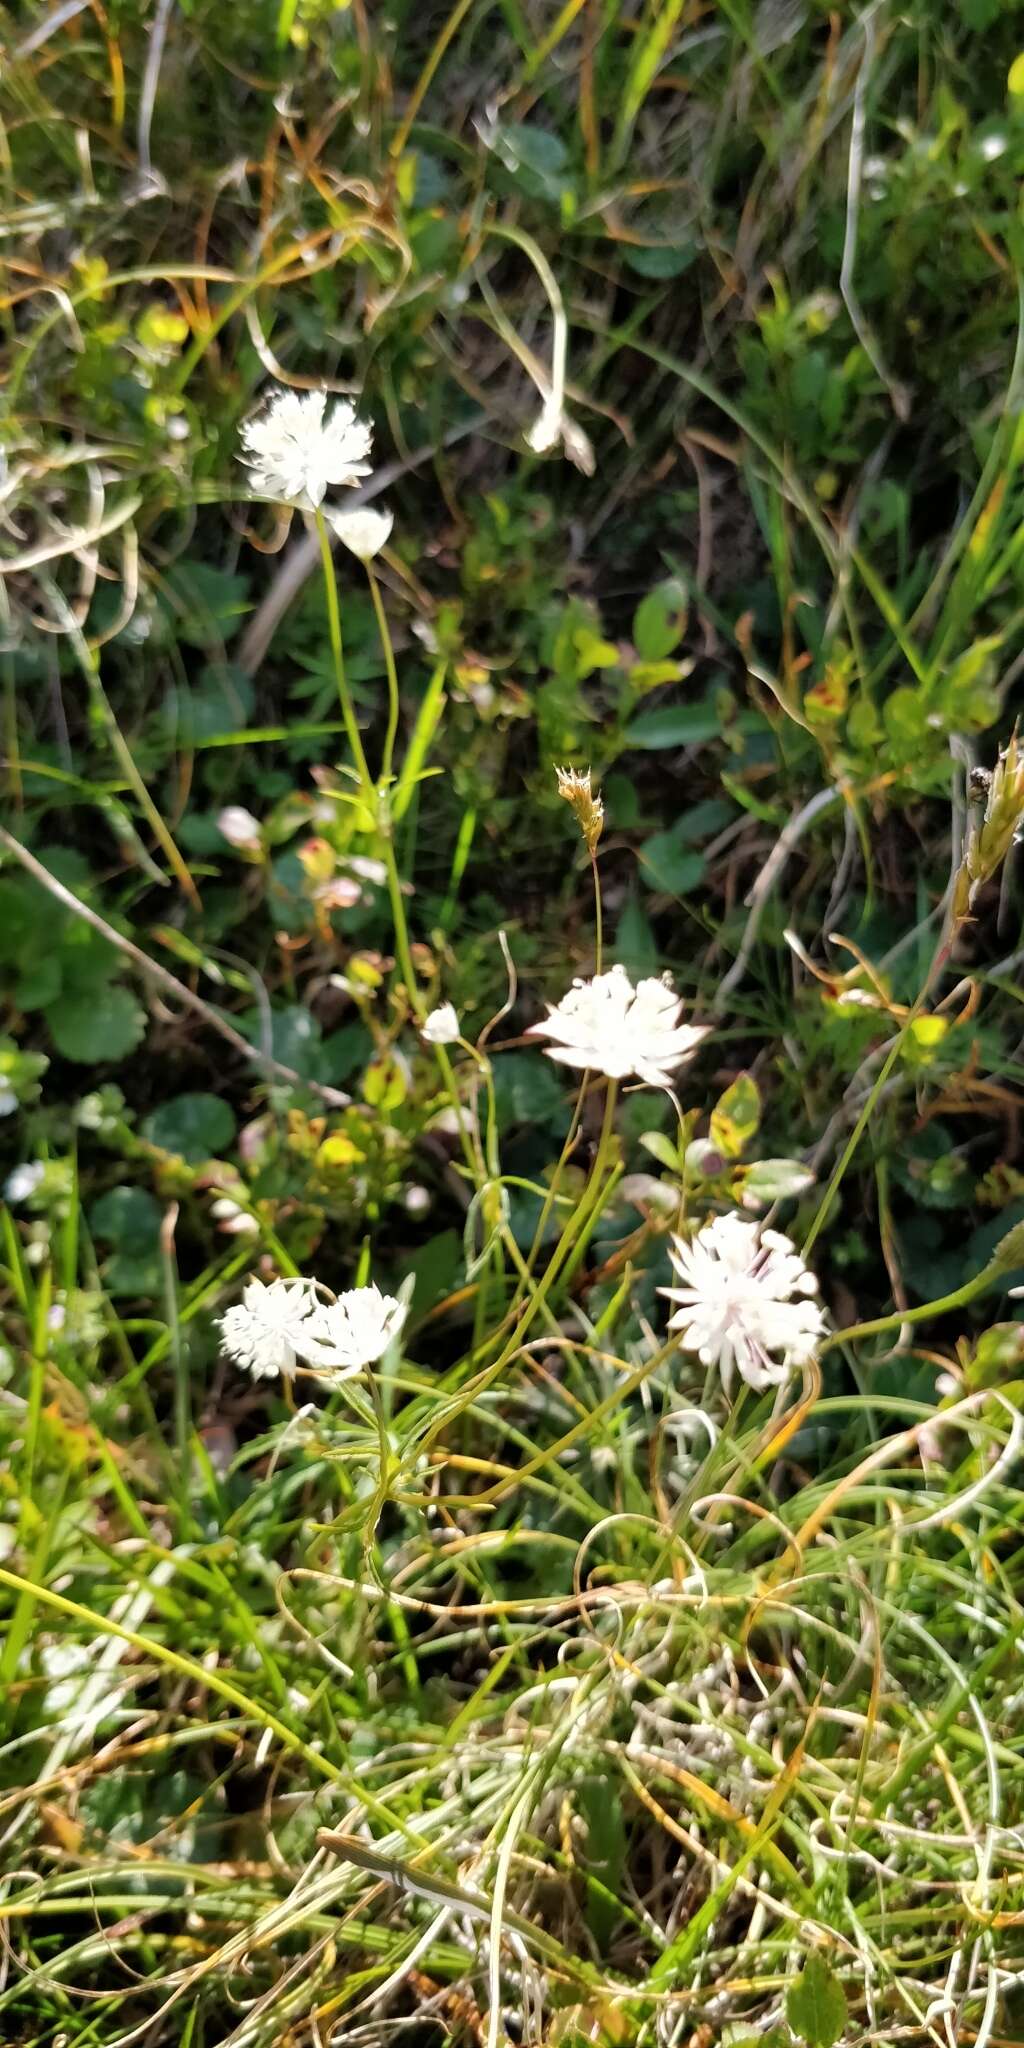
(777, 608)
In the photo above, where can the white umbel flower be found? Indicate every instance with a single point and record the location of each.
(612, 1028)
(442, 1026)
(264, 1332)
(363, 532)
(735, 1306)
(296, 451)
(353, 1331)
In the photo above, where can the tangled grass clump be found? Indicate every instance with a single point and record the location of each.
(510, 1485)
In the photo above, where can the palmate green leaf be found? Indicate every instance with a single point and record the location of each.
(816, 2004)
(105, 1024)
(195, 1127)
(128, 1219)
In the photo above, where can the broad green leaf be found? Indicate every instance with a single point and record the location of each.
(534, 158)
(294, 1037)
(194, 1127)
(210, 601)
(635, 943)
(735, 1117)
(774, 1180)
(528, 1091)
(906, 715)
(667, 863)
(592, 652)
(221, 702)
(816, 2004)
(666, 260)
(386, 1082)
(435, 1267)
(129, 1219)
(702, 820)
(674, 725)
(39, 982)
(659, 621)
(653, 675)
(105, 1025)
(662, 1149)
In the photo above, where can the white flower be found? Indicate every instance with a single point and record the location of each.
(442, 1026)
(8, 1100)
(233, 1220)
(24, 1181)
(735, 1307)
(354, 1331)
(613, 1028)
(264, 1331)
(296, 451)
(238, 826)
(363, 531)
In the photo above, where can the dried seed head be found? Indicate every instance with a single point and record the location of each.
(1002, 823)
(587, 809)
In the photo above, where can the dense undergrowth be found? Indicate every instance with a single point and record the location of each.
(544, 1681)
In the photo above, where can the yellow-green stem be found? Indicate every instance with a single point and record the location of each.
(403, 950)
(577, 1222)
(337, 650)
(389, 663)
(940, 1307)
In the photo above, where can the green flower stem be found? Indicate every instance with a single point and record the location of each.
(942, 954)
(940, 1307)
(334, 629)
(398, 919)
(577, 1224)
(392, 674)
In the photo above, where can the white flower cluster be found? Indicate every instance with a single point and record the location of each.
(277, 1324)
(296, 451)
(609, 1027)
(736, 1306)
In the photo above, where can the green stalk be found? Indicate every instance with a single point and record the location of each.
(940, 1307)
(577, 1223)
(398, 918)
(389, 662)
(334, 630)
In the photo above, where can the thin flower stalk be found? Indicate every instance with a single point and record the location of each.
(334, 631)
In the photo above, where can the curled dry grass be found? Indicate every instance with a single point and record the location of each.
(745, 1716)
